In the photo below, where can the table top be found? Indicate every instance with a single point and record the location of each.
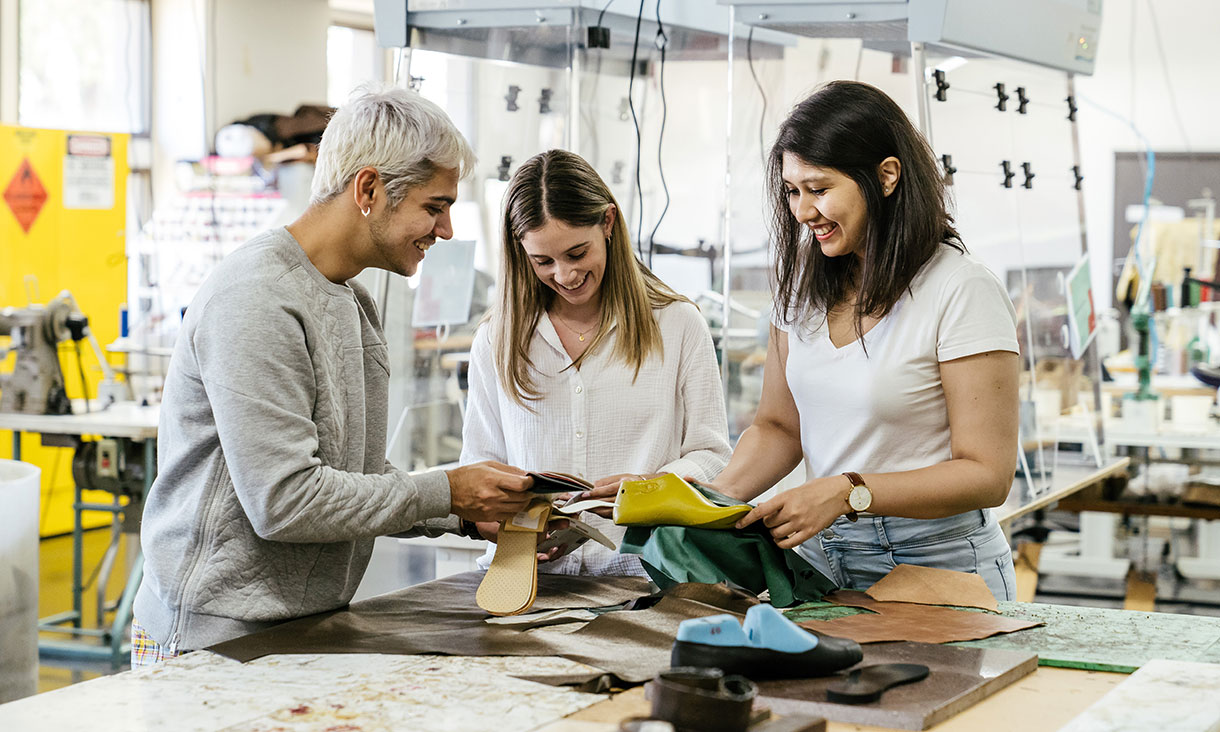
(205, 691)
(121, 419)
(1064, 480)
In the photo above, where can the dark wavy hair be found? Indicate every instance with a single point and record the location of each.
(852, 127)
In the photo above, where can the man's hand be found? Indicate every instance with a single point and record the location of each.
(488, 491)
(490, 530)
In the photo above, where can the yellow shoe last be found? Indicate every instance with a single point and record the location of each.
(671, 501)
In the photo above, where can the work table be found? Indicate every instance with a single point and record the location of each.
(204, 691)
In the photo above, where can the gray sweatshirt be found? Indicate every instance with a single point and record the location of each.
(272, 475)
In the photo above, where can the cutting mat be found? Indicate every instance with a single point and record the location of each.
(959, 678)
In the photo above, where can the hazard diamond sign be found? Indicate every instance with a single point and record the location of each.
(25, 195)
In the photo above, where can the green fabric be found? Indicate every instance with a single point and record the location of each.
(746, 558)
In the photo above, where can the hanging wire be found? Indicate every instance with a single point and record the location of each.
(762, 117)
(635, 120)
(662, 42)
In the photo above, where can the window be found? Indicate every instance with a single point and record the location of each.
(84, 64)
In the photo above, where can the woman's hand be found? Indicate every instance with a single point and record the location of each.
(490, 530)
(795, 516)
(605, 489)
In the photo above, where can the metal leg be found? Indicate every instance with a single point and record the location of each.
(119, 649)
(107, 566)
(16, 444)
(78, 550)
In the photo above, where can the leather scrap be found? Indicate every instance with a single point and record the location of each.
(441, 617)
(932, 586)
(905, 621)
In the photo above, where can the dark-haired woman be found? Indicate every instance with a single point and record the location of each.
(892, 367)
(588, 363)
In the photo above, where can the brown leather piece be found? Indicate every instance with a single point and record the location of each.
(441, 617)
(932, 586)
(905, 621)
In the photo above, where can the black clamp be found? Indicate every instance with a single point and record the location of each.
(1008, 174)
(1022, 100)
(506, 162)
(946, 161)
(599, 36)
(511, 97)
(941, 85)
(1002, 103)
(1071, 108)
(702, 699)
(1029, 176)
(1078, 176)
(544, 102)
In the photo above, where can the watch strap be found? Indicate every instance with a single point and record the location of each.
(855, 480)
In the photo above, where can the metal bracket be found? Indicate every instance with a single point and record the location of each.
(1008, 174)
(941, 85)
(1029, 176)
(1002, 102)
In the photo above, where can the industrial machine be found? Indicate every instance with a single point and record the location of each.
(36, 383)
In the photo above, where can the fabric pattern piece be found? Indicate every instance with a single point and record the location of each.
(746, 558)
(905, 621)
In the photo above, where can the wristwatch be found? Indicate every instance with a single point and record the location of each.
(859, 497)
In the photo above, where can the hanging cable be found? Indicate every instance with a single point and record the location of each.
(1173, 98)
(662, 41)
(635, 47)
(762, 118)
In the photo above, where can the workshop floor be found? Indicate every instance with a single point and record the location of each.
(55, 596)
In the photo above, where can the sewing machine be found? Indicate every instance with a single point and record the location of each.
(36, 384)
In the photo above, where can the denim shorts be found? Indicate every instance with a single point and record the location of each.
(855, 555)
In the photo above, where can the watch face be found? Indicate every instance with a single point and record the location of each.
(860, 498)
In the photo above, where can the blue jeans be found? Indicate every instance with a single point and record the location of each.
(855, 555)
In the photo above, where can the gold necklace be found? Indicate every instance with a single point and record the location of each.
(580, 336)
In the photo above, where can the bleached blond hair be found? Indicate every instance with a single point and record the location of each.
(405, 137)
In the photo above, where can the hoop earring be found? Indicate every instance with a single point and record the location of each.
(607, 241)
(366, 211)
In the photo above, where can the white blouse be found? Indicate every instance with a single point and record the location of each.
(596, 421)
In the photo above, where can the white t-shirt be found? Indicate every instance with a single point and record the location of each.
(886, 412)
(597, 422)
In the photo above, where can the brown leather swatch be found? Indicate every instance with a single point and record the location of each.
(897, 621)
(932, 586)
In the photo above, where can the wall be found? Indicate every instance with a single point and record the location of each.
(222, 60)
(1130, 81)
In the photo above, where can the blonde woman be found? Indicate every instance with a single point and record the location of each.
(588, 363)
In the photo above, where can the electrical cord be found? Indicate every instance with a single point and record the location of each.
(662, 43)
(635, 120)
(762, 149)
(602, 14)
(1173, 98)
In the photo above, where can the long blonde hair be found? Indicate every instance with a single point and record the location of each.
(560, 186)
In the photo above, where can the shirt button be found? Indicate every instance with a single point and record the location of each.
(579, 389)
(580, 435)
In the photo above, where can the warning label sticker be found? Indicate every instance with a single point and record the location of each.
(25, 195)
(88, 173)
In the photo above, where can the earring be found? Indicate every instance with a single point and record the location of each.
(366, 211)
(607, 241)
